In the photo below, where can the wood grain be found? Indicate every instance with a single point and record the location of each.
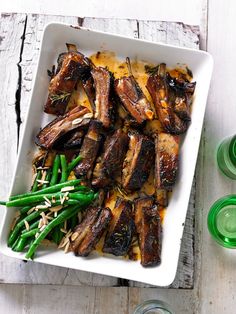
(24, 52)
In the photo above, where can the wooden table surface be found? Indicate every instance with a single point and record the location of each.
(205, 271)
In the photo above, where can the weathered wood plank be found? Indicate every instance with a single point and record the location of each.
(174, 33)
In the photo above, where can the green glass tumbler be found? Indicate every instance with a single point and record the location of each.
(226, 157)
(221, 221)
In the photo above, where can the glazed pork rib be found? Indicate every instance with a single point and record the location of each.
(89, 150)
(133, 98)
(166, 160)
(138, 162)
(71, 66)
(87, 234)
(119, 236)
(103, 102)
(183, 91)
(158, 88)
(148, 226)
(110, 162)
(73, 119)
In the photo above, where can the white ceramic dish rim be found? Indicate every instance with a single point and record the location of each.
(164, 274)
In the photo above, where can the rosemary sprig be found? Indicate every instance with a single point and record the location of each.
(62, 96)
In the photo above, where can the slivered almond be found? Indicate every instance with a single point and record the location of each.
(31, 210)
(63, 242)
(33, 178)
(27, 227)
(65, 224)
(55, 208)
(79, 120)
(42, 168)
(43, 227)
(44, 218)
(74, 236)
(55, 214)
(42, 181)
(40, 223)
(47, 204)
(63, 230)
(47, 200)
(68, 188)
(67, 247)
(53, 199)
(41, 207)
(37, 234)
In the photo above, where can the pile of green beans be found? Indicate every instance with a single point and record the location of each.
(26, 232)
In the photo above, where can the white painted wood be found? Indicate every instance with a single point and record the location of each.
(175, 33)
(217, 284)
(186, 11)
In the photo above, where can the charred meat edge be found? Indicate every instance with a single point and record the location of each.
(75, 118)
(111, 160)
(87, 234)
(63, 83)
(162, 197)
(89, 150)
(133, 98)
(138, 161)
(158, 88)
(183, 91)
(103, 103)
(150, 236)
(167, 159)
(119, 236)
(139, 203)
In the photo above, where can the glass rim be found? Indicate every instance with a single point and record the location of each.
(148, 305)
(212, 216)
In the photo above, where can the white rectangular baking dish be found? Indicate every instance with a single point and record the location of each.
(54, 38)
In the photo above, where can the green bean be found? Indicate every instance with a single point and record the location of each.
(64, 174)
(21, 244)
(30, 233)
(55, 168)
(73, 163)
(35, 185)
(73, 221)
(32, 226)
(14, 234)
(66, 214)
(36, 199)
(50, 189)
(47, 178)
(3, 203)
(25, 209)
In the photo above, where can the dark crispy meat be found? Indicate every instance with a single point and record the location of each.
(167, 159)
(111, 160)
(87, 234)
(164, 101)
(158, 90)
(149, 231)
(103, 103)
(139, 204)
(182, 90)
(121, 230)
(138, 162)
(71, 66)
(71, 140)
(133, 99)
(162, 197)
(73, 119)
(89, 150)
